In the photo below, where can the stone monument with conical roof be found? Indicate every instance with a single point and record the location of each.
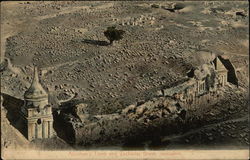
(36, 111)
(221, 72)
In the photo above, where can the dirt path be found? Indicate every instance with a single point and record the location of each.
(202, 128)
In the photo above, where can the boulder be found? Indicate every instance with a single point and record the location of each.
(140, 110)
(159, 93)
(81, 107)
(81, 111)
(172, 108)
(129, 109)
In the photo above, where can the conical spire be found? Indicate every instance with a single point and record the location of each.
(218, 65)
(35, 80)
(36, 90)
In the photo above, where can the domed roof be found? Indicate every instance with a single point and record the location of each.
(36, 91)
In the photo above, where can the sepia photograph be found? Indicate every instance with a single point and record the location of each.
(124, 80)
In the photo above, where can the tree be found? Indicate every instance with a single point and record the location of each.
(113, 34)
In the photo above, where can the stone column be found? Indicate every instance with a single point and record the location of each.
(29, 132)
(51, 128)
(39, 131)
(36, 131)
(43, 129)
(32, 130)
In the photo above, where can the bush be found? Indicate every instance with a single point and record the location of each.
(113, 34)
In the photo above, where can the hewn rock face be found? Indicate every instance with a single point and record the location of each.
(162, 110)
(11, 138)
(232, 77)
(104, 131)
(63, 125)
(80, 111)
(116, 128)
